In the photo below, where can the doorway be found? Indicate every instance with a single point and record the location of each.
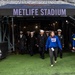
(46, 23)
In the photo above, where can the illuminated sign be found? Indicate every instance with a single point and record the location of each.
(39, 12)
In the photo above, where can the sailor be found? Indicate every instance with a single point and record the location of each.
(31, 43)
(41, 43)
(22, 43)
(27, 36)
(47, 34)
(61, 38)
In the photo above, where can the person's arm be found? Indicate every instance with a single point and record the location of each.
(37, 42)
(59, 43)
(62, 40)
(25, 39)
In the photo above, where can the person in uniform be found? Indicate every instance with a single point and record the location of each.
(28, 35)
(22, 43)
(73, 42)
(61, 38)
(41, 43)
(47, 35)
(31, 43)
(36, 42)
(53, 43)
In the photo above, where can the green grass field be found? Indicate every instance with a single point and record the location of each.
(26, 65)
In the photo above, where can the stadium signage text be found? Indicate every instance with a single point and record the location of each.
(39, 12)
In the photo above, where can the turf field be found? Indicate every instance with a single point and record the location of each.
(26, 65)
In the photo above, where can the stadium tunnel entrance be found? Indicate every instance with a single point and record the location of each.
(33, 17)
(25, 24)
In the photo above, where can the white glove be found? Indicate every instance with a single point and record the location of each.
(52, 49)
(73, 47)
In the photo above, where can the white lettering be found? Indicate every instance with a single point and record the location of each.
(45, 11)
(15, 11)
(63, 11)
(52, 11)
(20, 12)
(36, 11)
(42, 12)
(32, 11)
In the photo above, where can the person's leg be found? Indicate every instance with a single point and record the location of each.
(25, 49)
(51, 56)
(61, 53)
(58, 52)
(22, 51)
(31, 51)
(40, 51)
(55, 54)
(43, 53)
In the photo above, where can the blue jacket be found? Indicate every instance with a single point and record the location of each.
(73, 40)
(53, 42)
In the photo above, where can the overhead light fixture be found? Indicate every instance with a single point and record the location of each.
(67, 21)
(36, 27)
(53, 24)
(24, 27)
(56, 22)
(33, 16)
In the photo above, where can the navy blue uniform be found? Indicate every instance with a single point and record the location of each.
(31, 45)
(62, 43)
(22, 44)
(41, 44)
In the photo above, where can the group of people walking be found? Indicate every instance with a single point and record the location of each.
(44, 41)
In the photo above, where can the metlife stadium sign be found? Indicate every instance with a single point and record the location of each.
(39, 12)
